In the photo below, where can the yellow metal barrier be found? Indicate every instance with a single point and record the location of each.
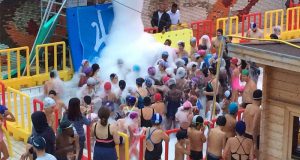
(268, 21)
(126, 140)
(184, 35)
(179, 26)
(233, 25)
(8, 142)
(17, 102)
(292, 24)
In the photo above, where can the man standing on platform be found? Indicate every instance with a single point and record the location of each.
(161, 19)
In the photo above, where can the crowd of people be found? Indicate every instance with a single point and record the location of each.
(164, 99)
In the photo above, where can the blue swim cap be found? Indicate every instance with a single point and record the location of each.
(233, 108)
(156, 119)
(164, 54)
(148, 82)
(240, 127)
(136, 68)
(131, 101)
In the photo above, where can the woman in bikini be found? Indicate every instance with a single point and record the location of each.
(211, 88)
(239, 147)
(154, 137)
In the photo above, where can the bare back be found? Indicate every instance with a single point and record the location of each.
(239, 147)
(229, 127)
(197, 138)
(249, 114)
(159, 108)
(216, 141)
(250, 87)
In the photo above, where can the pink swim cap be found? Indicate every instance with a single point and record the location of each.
(201, 52)
(165, 79)
(187, 105)
(151, 71)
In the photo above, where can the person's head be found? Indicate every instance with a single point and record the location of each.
(139, 82)
(149, 82)
(107, 86)
(151, 71)
(228, 94)
(74, 112)
(277, 30)
(273, 36)
(122, 84)
(229, 39)
(114, 78)
(95, 68)
(156, 119)
(194, 67)
(162, 65)
(49, 105)
(197, 122)
(181, 45)
(245, 75)
(162, 5)
(120, 63)
(253, 26)
(233, 108)
(39, 144)
(181, 136)
(52, 94)
(240, 128)
(165, 80)
(219, 32)
(157, 97)
(180, 73)
(85, 63)
(257, 96)
(133, 115)
(193, 41)
(103, 115)
(53, 74)
(186, 60)
(39, 121)
(91, 83)
(164, 55)
(87, 100)
(172, 83)
(131, 100)
(234, 62)
(221, 121)
(147, 101)
(174, 8)
(187, 105)
(168, 42)
(66, 128)
(212, 72)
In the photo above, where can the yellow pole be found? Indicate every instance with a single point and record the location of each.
(18, 63)
(8, 141)
(64, 56)
(46, 59)
(28, 113)
(55, 56)
(265, 24)
(15, 106)
(37, 61)
(298, 18)
(8, 99)
(27, 62)
(8, 65)
(22, 111)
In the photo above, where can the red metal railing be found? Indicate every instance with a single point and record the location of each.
(292, 4)
(142, 138)
(239, 114)
(88, 142)
(167, 144)
(2, 93)
(203, 27)
(151, 30)
(253, 17)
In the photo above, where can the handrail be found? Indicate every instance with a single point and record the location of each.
(272, 40)
(126, 140)
(142, 137)
(168, 132)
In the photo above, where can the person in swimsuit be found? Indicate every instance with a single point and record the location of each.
(196, 137)
(239, 147)
(131, 101)
(181, 52)
(159, 106)
(216, 140)
(229, 128)
(184, 115)
(235, 79)
(49, 107)
(211, 88)
(140, 92)
(106, 136)
(150, 88)
(60, 105)
(146, 113)
(226, 101)
(182, 147)
(181, 82)
(249, 88)
(193, 43)
(154, 137)
(5, 115)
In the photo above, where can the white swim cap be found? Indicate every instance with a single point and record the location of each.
(91, 81)
(49, 102)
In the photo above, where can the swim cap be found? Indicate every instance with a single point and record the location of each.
(171, 82)
(49, 102)
(201, 52)
(131, 100)
(2, 109)
(151, 71)
(245, 72)
(234, 60)
(181, 72)
(193, 39)
(240, 127)
(257, 94)
(197, 119)
(136, 68)
(186, 60)
(164, 54)
(139, 81)
(187, 105)
(148, 82)
(107, 86)
(39, 142)
(181, 135)
(181, 43)
(156, 119)
(253, 25)
(233, 108)
(163, 64)
(109, 104)
(196, 55)
(179, 63)
(91, 81)
(221, 121)
(87, 70)
(227, 94)
(147, 101)
(133, 115)
(122, 84)
(165, 79)
(157, 97)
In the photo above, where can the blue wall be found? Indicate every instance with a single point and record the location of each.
(87, 28)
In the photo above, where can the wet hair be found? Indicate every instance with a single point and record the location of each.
(87, 100)
(205, 72)
(52, 92)
(122, 84)
(103, 115)
(221, 121)
(95, 67)
(74, 113)
(112, 76)
(147, 101)
(52, 74)
(181, 135)
(169, 41)
(213, 71)
(220, 30)
(140, 81)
